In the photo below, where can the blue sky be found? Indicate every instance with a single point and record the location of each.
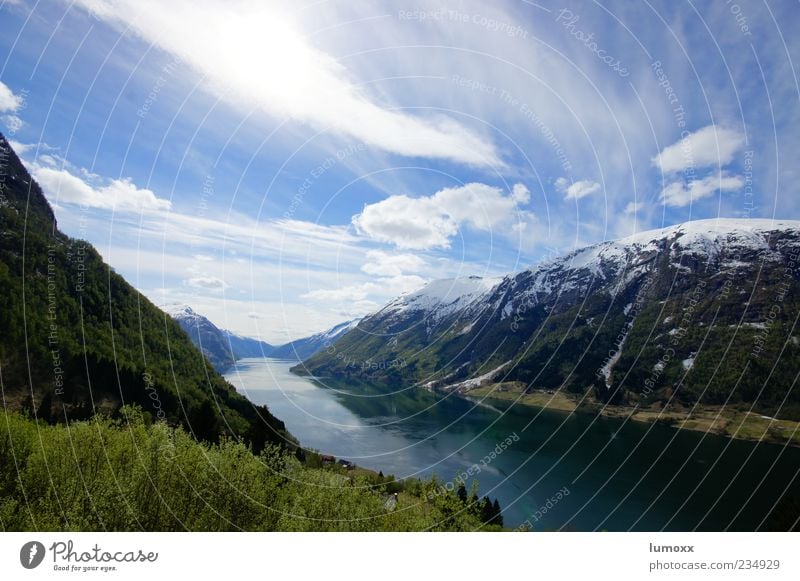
(283, 166)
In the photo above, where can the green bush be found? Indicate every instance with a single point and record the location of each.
(128, 474)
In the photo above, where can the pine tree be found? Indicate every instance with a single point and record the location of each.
(486, 510)
(462, 493)
(497, 514)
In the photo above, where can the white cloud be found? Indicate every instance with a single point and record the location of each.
(576, 190)
(13, 123)
(207, 283)
(386, 288)
(381, 263)
(705, 147)
(21, 148)
(431, 221)
(8, 100)
(254, 55)
(407, 223)
(678, 194)
(633, 207)
(62, 187)
(521, 194)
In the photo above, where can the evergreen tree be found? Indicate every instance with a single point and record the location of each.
(486, 510)
(497, 515)
(462, 493)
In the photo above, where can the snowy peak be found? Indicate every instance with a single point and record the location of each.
(703, 239)
(718, 229)
(444, 296)
(182, 312)
(336, 330)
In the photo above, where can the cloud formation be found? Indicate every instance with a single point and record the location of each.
(120, 195)
(706, 147)
(9, 102)
(207, 283)
(576, 190)
(431, 221)
(381, 263)
(253, 55)
(678, 194)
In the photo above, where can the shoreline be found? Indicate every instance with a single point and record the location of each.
(711, 419)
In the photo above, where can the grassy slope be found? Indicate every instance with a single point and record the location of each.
(129, 474)
(734, 422)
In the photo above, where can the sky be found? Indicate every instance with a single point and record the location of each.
(285, 166)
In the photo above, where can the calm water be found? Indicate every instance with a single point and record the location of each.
(619, 475)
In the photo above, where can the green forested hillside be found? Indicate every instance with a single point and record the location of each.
(77, 338)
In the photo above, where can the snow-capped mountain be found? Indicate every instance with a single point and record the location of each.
(444, 297)
(307, 346)
(206, 336)
(618, 319)
(220, 346)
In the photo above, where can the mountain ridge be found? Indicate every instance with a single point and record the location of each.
(600, 319)
(223, 347)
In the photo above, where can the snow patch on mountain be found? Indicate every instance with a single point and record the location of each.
(180, 311)
(444, 297)
(476, 382)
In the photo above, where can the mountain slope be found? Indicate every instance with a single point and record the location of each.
(206, 336)
(220, 346)
(307, 346)
(703, 311)
(247, 346)
(77, 338)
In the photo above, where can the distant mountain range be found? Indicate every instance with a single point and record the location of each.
(223, 348)
(704, 311)
(306, 347)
